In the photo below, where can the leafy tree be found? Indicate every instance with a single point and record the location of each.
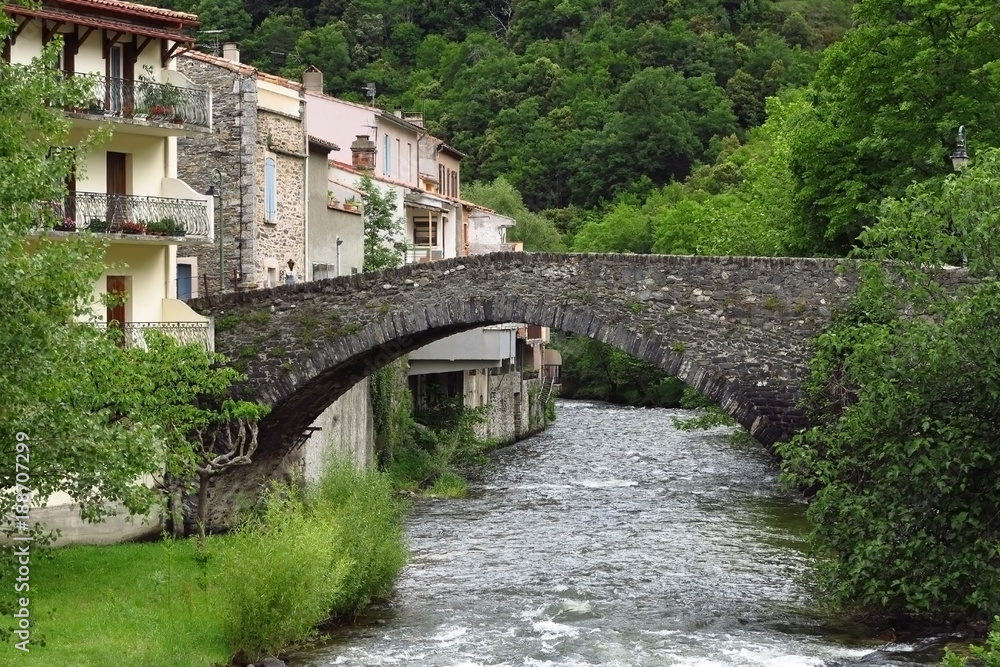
(383, 230)
(275, 39)
(324, 48)
(871, 136)
(532, 229)
(623, 229)
(904, 394)
(229, 16)
(48, 367)
(185, 392)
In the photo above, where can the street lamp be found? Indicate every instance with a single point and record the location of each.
(215, 190)
(959, 156)
(959, 159)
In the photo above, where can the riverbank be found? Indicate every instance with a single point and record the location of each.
(306, 554)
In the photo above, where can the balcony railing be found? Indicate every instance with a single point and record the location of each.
(104, 213)
(134, 333)
(147, 100)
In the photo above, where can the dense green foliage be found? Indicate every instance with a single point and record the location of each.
(573, 102)
(309, 554)
(888, 101)
(986, 656)
(423, 451)
(904, 391)
(593, 370)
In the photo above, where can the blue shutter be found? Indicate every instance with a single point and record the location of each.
(386, 156)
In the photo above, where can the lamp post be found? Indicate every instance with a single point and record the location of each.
(215, 190)
(959, 160)
(960, 156)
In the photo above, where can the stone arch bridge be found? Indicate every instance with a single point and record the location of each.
(735, 328)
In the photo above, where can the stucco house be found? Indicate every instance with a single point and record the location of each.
(127, 190)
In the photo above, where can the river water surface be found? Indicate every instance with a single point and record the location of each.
(610, 539)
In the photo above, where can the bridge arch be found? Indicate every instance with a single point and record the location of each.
(735, 328)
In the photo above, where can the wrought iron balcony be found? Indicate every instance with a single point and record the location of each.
(104, 213)
(147, 100)
(134, 333)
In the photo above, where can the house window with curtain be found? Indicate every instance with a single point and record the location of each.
(270, 189)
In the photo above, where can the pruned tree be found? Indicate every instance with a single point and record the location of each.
(184, 392)
(229, 440)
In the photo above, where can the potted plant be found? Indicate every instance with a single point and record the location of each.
(163, 100)
(352, 204)
(67, 225)
(331, 199)
(95, 107)
(174, 228)
(97, 226)
(133, 227)
(158, 228)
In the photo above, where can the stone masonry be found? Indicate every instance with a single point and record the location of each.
(244, 135)
(231, 148)
(735, 328)
(282, 137)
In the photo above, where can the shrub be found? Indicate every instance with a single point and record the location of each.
(309, 553)
(366, 530)
(278, 576)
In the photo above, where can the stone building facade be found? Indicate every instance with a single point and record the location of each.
(258, 146)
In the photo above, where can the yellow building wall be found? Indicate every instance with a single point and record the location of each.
(148, 271)
(90, 57)
(146, 165)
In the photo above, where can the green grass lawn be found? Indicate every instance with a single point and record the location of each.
(127, 605)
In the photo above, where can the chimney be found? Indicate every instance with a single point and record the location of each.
(231, 51)
(398, 112)
(312, 79)
(363, 153)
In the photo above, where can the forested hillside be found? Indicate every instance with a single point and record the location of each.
(573, 101)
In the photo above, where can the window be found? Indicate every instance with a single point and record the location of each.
(399, 159)
(409, 162)
(454, 184)
(425, 230)
(441, 183)
(185, 281)
(386, 156)
(270, 189)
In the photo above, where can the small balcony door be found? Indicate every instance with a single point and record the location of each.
(117, 287)
(120, 68)
(117, 189)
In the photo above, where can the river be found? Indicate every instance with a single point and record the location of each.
(610, 539)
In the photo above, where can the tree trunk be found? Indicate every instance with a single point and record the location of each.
(204, 477)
